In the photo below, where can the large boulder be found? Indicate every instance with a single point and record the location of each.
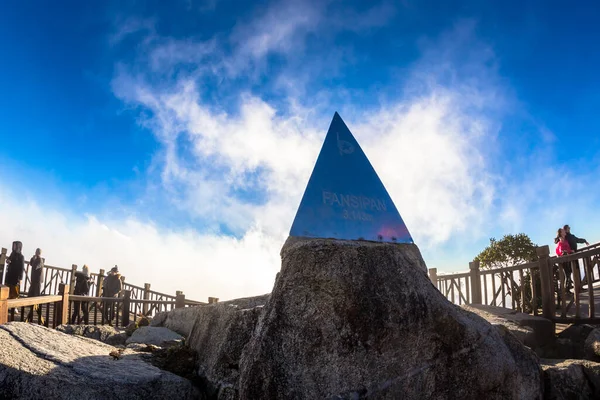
(533, 331)
(571, 379)
(41, 363)
(353, 320)
(592, 345)
(154, 335)
(220, 333)
(104, 333)
(182, 320)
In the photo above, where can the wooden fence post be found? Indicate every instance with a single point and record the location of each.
(62, 307)
(546, 277)
(475, 279)
(72, 280)
(146, 297)
(100, 283)
(179, 299)
(3, 304)
(126, 307)
(213, 300)
(2, 260)
(433, 276)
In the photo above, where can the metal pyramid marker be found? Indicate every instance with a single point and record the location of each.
(344, 198)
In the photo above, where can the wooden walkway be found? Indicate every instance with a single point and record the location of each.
(584, 302)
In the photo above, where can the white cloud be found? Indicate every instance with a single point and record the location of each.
(200, 265)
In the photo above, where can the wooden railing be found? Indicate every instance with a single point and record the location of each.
(538, 287)
(144, 301)
(59, 309)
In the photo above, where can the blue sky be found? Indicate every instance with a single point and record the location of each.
(136, 132)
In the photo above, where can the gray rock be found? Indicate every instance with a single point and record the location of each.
(104, 333)
(362, 320)
(221, 331)
(572, 340)
(181, 320)
(592, 345)
(153, 335)
(160, 318)
(218, 333)
(120, 339)
(533, 331)
(571, 379)
(41, 363)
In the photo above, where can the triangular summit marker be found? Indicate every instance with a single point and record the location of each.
(344, 198)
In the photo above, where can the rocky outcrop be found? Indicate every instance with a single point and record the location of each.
(533, 331)
(353, 320)
(182, 320)
(157, 336)
(104, 333)
(218, 333)
(221, 331)
(571, 379)
(41, 363)
(592, 345)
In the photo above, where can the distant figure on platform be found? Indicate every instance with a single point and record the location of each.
(14, 273)
(111, 288)
(572, 239)
(562, 249)
(83, 282)
(35, 289)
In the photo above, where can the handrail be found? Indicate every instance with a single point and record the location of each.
(118, 299)
(528, 265)
(32, 301)
(53, 276)
(576, 256)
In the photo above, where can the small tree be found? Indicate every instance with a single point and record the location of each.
(506, 252)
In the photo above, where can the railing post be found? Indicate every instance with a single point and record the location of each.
(146, 297)
(3, 304)
(126, 307)
(546, 278)
(475, 279)
(72, 280)
(2, 260)
(179, 299)
(433, 276)
(62, 307)
(213, 300)
(100, 283)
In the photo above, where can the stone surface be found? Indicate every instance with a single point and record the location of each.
(181, 320)
(350, 320)
(104, 333)
(592, 345)
(533, 331)
(153, 335)
(41, 363)
(571, 341)
(571, 379)
(221, 331)
(218, 333)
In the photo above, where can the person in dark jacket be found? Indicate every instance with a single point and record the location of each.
(83, 282)
(35, 289)
(111, 288)
(572, 239)
(14, 273)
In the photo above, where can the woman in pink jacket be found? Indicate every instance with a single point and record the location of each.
(562, 245)
(562, 249)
